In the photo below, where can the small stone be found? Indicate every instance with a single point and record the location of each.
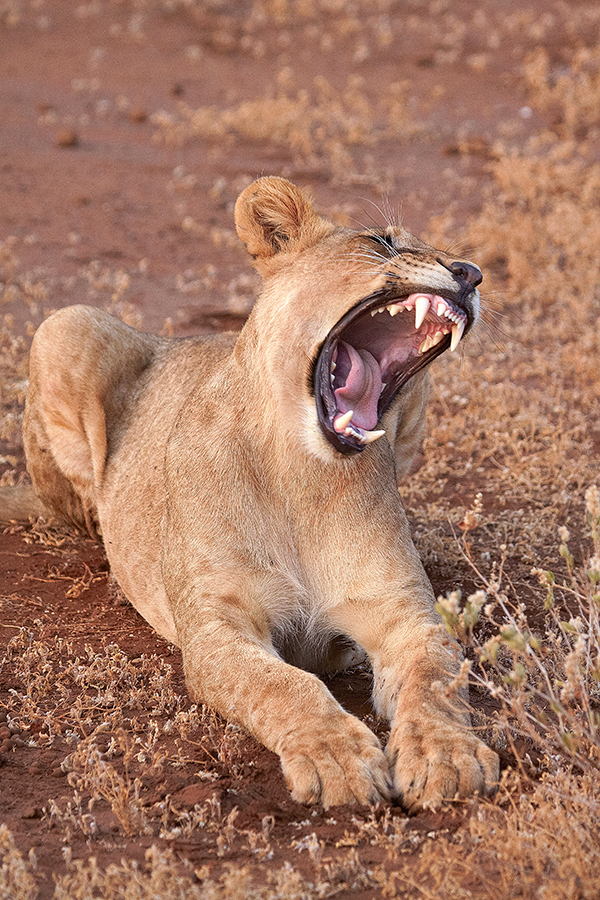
(32, 812)
(67, 138)
(138, 114)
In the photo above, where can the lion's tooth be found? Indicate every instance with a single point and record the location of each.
(333, 366)
(441, 308)
(395, 308)
(458, 330)
(421, 309)
(374, 312)
(367, 437)
(343, 420)
(432, 340)
(425, 345)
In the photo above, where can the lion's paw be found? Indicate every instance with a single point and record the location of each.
(436, 761)
(341, 763)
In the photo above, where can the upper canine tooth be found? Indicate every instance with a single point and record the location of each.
(367, 437)
(343, 420)
(457, 332)
(421, 309)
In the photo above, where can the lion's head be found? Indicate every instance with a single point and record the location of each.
(369, 308)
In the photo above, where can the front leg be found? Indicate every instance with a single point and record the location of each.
(432, 752)
(327, 755)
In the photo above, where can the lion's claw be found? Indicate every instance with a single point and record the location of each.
(438, 762)
(339, 764)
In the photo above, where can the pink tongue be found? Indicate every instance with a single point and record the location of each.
(362, 388)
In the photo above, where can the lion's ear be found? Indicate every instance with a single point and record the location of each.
(275, 218)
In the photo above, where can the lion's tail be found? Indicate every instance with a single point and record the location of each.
(19, 503)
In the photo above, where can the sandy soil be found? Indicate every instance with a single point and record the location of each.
(108, 198)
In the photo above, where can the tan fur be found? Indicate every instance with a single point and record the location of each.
(239, 532)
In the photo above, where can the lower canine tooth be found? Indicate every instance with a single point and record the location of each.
(458, 330)
(343, 420)
(369, 436)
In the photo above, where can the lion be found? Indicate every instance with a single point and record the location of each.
(245, 489)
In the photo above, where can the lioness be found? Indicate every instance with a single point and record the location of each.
(245, 488)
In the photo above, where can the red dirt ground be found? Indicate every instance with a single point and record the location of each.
(87, 188)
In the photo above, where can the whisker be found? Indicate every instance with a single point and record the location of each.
(379, 210)
(369, 256)
(495, 335)
(392, 219)
(460, 247)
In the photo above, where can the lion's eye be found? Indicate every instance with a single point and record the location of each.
(386, 241)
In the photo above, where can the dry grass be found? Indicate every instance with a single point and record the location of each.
(319, 127)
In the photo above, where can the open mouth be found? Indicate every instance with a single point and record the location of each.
(372, 352)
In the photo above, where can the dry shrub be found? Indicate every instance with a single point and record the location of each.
(13, 382)
(17, 881)
(163, 877)
(319, 128)
(160, 877)
(58, 689)
(545, 682)
(13, 347)
(542, 229)
(93, 775)
(568, 94)
(535, 841)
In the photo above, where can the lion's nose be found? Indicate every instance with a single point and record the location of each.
(467, 271)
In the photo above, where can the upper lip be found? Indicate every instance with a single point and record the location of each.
(439, 320)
